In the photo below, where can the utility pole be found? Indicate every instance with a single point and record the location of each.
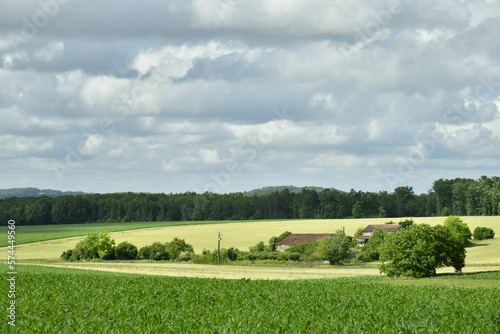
(219, 238)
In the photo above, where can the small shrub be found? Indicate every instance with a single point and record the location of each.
(252, 257)
(185, 256)
(176, 247)
(206, 257)
(481, 233)
(125, 251)
(260, 247)
(66, 254)
(158, 252)
(267, 256)
(406, 223)
(232, 254)
(144, 252)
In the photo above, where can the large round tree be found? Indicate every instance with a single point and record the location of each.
(419, 250)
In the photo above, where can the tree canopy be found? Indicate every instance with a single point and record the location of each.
(447, 197)
(420, 249)
(337, 248)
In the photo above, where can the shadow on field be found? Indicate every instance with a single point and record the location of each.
(468, 275)
(471, 245)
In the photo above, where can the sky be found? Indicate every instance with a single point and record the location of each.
(232, 95)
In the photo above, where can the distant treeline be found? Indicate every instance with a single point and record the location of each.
(25, 192)
(447, 197)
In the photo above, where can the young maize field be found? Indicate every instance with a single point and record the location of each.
(57, 300)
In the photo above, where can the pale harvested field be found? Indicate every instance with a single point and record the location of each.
(244, 235)
(238, 272)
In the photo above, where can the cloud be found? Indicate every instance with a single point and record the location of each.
(173, 96)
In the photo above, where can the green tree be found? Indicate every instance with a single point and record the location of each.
(337, 248)
(259, 247)
(145, 252)
(95, 245)
(158, 251)
(176, 247)
(370, 251)
(105, 246)
(357, 210)
(420, 249)
(89, 246)
(406, 223)
(125, 251)
(456, 224)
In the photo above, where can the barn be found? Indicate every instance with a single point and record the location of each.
(368, 231)
(300, 239)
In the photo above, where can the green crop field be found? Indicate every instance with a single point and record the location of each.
(55, 300)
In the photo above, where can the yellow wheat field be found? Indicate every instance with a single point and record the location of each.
(246, 234)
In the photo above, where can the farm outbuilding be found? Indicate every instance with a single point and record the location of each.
(300, 239)
(368, 231)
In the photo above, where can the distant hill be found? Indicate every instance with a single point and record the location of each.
(27, 192)
(271, 189)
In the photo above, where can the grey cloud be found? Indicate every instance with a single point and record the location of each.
(291, 91)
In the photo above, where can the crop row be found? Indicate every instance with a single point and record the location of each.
(55, 300)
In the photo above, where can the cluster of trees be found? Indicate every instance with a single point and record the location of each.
(419, 250)
(335, 249)
(176, 250)
(447, 197)
(101, 246)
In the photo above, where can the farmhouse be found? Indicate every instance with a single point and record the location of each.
(299, 239)
(368, 231)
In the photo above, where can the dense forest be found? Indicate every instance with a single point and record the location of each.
(447, 197)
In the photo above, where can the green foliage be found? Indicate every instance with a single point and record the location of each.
(156, 251)
(481, 233)
(94, 246)
(306, 249)
(359, 232)
(105, 246)
(66, 255)
(89, 246)
(456, 225)
(448, 197)
(406, 223)
(207, 257)
(176, 247)
(274, 240)
(337, 248)
(232, 253)
(126, 251)
(293, 256)
(259, 247)
(57, 300)
(419, 250)
(185, 256)
(370, 251)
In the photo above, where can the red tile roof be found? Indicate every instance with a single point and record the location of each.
(387, 227)
(302, 238)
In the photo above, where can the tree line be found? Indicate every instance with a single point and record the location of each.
(447, 197)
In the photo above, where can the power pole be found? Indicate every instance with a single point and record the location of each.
(218, 248)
